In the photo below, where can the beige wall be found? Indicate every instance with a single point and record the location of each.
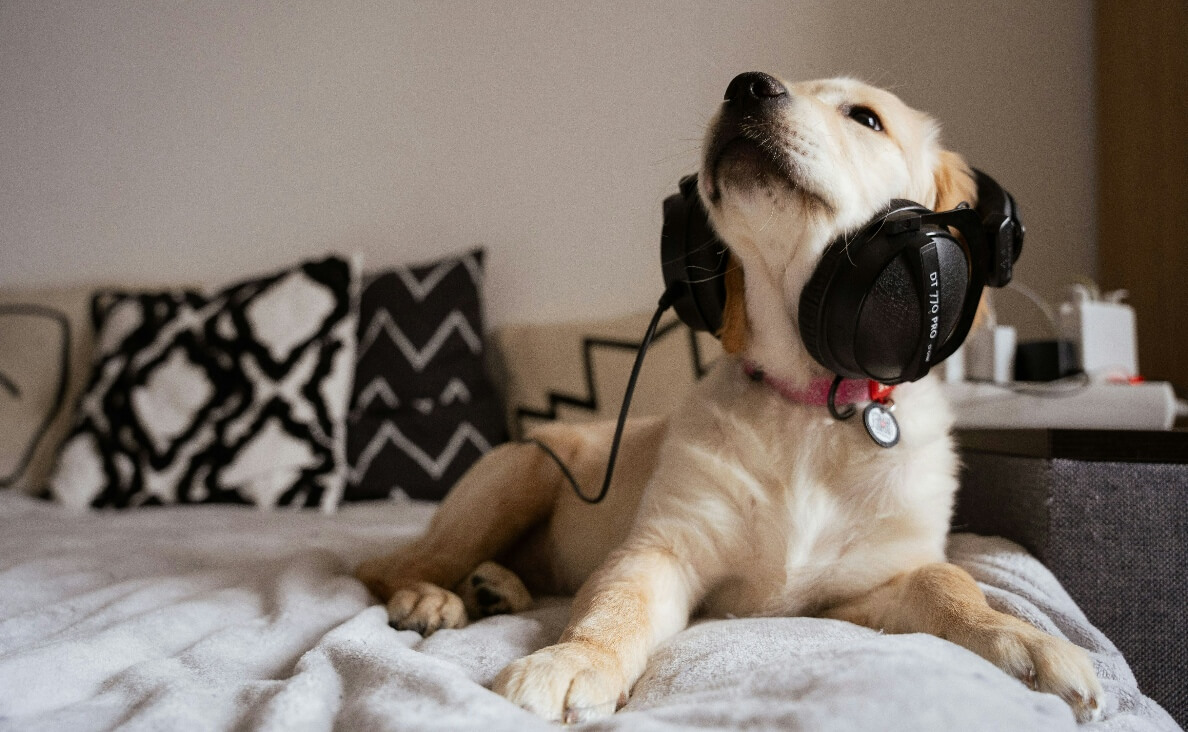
(149, 141)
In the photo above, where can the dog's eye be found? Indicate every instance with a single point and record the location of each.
(866, 116)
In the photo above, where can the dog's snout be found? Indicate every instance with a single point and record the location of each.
(754, 88)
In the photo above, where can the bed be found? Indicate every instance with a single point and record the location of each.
(227, 617)
(213, 587)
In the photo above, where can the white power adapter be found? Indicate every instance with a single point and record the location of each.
(1102, 329)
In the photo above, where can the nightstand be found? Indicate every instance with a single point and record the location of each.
(1107, 513)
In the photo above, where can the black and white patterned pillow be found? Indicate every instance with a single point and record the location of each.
(424, 408)
(239, 396)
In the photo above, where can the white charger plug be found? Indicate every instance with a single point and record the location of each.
(1102, 330)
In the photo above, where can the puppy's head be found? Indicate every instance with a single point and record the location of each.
(788, 168)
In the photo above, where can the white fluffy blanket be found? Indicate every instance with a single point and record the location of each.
(228, 618)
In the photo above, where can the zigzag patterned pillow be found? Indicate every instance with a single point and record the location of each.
(423, 409)
(239, 396)
(578, 371)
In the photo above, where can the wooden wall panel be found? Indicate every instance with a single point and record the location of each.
(1142, 145)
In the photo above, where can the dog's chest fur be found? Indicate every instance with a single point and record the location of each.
(804, 510)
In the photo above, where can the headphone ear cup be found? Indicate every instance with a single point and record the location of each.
(693, 260)
(1000, 234)
(829, 309)
(1002, 230)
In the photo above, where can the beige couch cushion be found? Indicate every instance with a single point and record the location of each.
(577, 371)
(45, 349)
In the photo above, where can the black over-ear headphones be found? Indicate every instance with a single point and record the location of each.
(886, 303)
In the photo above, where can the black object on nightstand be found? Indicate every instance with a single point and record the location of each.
(1107, 513)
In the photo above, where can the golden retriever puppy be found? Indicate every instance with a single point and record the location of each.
(742, 502)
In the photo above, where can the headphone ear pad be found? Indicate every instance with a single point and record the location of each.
(810, 316)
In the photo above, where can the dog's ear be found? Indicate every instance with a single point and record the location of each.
(734, 311)
(954, 182)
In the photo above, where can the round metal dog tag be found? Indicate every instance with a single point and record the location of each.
(881, 425)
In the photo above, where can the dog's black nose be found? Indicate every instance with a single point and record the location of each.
(755, 87)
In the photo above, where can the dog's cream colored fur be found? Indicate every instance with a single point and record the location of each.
(741, 502)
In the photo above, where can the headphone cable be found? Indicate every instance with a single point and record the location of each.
(662, 306)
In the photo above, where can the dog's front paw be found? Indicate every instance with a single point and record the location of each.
(493, 590)
(568, 682)
(1048, 664)
(425, 608)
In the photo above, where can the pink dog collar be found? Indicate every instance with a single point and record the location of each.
(816, 394)
(877, 418)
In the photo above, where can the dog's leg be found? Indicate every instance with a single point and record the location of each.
(640, 596)
(943, 600)
(504, 494)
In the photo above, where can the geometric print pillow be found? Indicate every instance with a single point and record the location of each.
(239, 396)
(424, 408)
(577, 371)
